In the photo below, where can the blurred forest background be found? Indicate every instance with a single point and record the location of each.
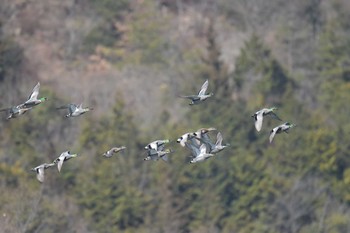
(129, 59)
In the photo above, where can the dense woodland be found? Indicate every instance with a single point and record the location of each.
(129, 60)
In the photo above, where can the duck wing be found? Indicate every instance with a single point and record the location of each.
(5, 109)
(204, 88)
(205, 139)
(258, 120)
(35, 93)
(274, 115)
(72, 108)
(40, 174)
(59, 164)
(114, 150)
(161, 147)
(272, 134)
(218, 139)
(195, 141)
(191, 97)
(194, 150)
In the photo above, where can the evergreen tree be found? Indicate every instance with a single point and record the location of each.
(109, 190)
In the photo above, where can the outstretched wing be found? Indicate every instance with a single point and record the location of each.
(63, 107)
(194, 150)
(35, 92)
(204, 88)
(5, 109)
(205, 139)
(40, 174)
(272, 134)
(72, 108)
(114, 150)
(191, 97)
(59, 164)
(117, 149)
(218, 139)
(274, 115)
(258, 121)
(161, 147)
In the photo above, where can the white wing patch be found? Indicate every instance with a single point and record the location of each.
(259, 121)
(204, 88)
(273, 133)
(40, 174)
(35, 92)
(59, 164)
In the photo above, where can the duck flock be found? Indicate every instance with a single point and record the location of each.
(198, 143)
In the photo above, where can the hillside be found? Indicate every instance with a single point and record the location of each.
(130, 60)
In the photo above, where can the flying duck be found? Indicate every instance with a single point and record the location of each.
(75, 110)
(184, 138)
(199, 154)
(113, 151)
(157, 145)
(15, 111)
(155, 155)
(211, 147)
(279, 129)
(201, 96)
(63, 157)
(33, 98)
(259, 115)
(40, 174)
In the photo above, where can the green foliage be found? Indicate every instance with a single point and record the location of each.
(146, 40)
(105, 34)
(298, 183)
(113, 198)
(110, 9)
(260, 75)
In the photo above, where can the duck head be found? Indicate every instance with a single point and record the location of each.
(87, 109)
(206, 130)
(43, 99)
